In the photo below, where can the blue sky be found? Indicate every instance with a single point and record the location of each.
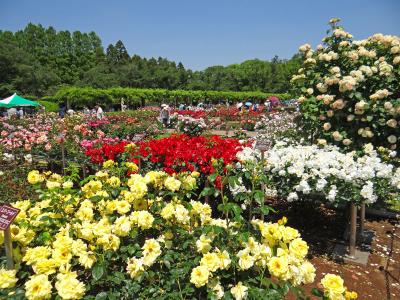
(206, 32)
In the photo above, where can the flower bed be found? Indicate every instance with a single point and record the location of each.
(142, 237)
(299, 171)
(177, 153)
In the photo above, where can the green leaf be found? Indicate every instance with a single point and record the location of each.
(317, 292)
(101, 296)
(98, 271)
(259, 196)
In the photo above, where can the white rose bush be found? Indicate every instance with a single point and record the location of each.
(310, 172)
(350, 90)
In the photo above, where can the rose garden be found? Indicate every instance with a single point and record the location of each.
(224, 201)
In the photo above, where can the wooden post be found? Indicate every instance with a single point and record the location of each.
(262, 188)
(8, 246)
(362, 219)
(63, 157)
(353, 229)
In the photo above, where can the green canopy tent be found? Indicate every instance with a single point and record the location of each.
(15, 101)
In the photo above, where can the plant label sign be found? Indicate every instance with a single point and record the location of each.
(7, 215)
(261, 146)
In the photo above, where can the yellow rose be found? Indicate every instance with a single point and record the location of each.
(114, 181)
(52, 184)
(32, 255)
(239, 291)
(151, 250)
(189, 183)
(203, 244)
(68, 184)
(8, 278)
(135, 267)
(108, 164)
(333, 286)
(195, 174)
(145, 219)
(246, 261)
(69, 287)
(210, 261)
(38, 287)
(199, 276)
(298, 248)
(35, 177)
(172, 184)
(278, 266)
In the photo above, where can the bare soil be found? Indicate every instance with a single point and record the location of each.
(322, 228)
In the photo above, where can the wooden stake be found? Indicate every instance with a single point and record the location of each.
(8, 246)
(353, 229)
(362, 219)
(63, 157)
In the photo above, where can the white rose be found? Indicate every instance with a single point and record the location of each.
(310, 91)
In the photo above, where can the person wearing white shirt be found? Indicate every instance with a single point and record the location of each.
(99, 112)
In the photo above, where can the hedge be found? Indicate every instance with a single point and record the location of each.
(86, 96)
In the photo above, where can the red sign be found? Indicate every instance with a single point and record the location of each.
(7, 215)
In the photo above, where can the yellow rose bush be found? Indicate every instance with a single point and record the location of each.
(350, 90)
(149, 237)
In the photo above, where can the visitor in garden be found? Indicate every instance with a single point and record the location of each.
(267, 106)
(61, 111)
(99, 112)
(20, 113)
(12, 112)
(164, 115)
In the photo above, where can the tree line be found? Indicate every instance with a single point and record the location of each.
(38, 61)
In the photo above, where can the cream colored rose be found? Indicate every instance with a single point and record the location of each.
(327, 126)
(360, 105)
(396, 60)
(347, 142)
(395, 50)
(392, 123)
(310, 91)
(330, 113)
(392, 139)
(369, 134)
(337, 136)
(304, 48)
(322, 87)
(350, 118)
(321, 142)
(338, 104)
(388, 105)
